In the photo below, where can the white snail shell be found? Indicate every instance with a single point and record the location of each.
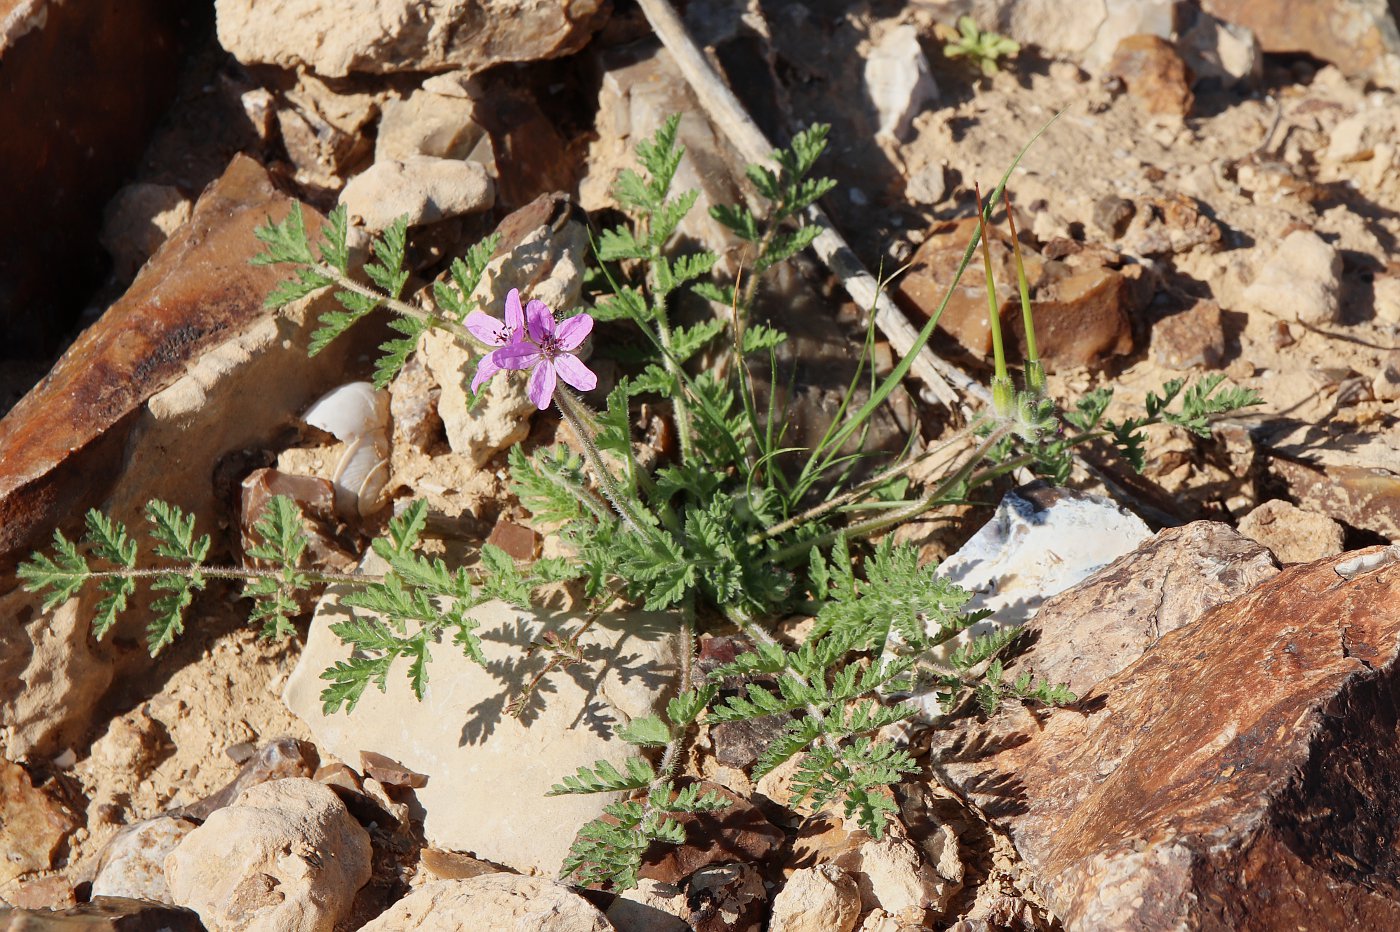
(358, 416)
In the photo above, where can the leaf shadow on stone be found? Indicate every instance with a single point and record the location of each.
(516, 671)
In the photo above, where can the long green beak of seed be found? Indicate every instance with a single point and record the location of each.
(1035, 372)
(1003, 392)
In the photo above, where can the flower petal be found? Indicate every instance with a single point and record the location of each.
(574, 331)
(541, 389)
(486, 328)
(573, 371)
(539, 319)
(517, 355)
(515, 318)
(486, 368)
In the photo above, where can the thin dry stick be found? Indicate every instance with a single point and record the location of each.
(944, 380)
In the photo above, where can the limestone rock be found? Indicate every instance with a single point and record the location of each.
(1213, 48)
(1293, 534)
(651, 906)
(1358, 36)
(85, 87)
(1301, 281)
(426, 188)
(1357, 137)
(427, 123)
(137, 221)
(898, 82)
(1195, 338)
(324, 130)
(278, 759)
(1087, 33)
(823, 898)
(462, 737)
(1386, 291)
(1236, 776)
(727, 898)
(636, 97)
(132, 863)
(377, 37)
(187, 366)
(33, 824)
(284, 856)
(1154, 74)
(492, 901)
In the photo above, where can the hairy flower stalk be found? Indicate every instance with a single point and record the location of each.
(1003, 393)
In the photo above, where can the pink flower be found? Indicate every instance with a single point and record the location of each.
(493, 332)
(549, 352)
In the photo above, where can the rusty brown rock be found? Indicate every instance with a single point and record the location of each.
(103, 914)
(1082, 313)
(33, 825)
(1358, 36)
(518, 541)
(83, 86)
(1194, 338)
(1103, 625)
(185, 369)
(739, 833)
(1240, 775)
(1154, 74)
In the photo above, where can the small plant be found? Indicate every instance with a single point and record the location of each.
(740, 529)
(980, 48)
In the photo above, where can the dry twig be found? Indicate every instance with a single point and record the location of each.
(945, 382)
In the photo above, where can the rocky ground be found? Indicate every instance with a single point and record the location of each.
(1220, 193)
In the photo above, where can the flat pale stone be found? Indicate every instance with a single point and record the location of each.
(488, 772)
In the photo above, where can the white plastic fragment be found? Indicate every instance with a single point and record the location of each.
(358, 416)
(1025, 554)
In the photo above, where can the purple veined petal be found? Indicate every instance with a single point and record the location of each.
(515, 318)
(574, 331)
(516, 355)
(486, 368)
(541, 389)
(539, 320)
(486, 328)
(573, 371)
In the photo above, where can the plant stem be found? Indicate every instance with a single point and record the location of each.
(574, 412)
(878, 479)
(684, 431)
(931, 500)
(233, 572)
(395, 305)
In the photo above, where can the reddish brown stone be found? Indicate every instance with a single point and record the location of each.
(62, 446)
(33, 825)
(1103, 625)
(103, 914)
(52, 892)
(1243, 774)
(739, 833)
(1082, 313)
(82, 86)
(519, 542)
(1193, 338)
(1154, 74)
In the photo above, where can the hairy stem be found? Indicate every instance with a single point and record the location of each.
(574, 412)
(395, 305)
